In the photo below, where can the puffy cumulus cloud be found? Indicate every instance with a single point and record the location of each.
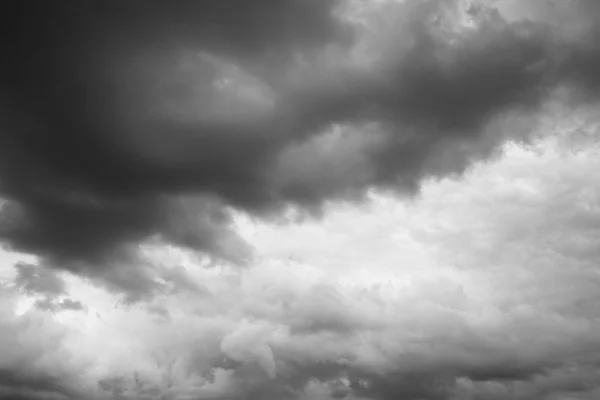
(112, 113)
(485, 286)
(142, 122)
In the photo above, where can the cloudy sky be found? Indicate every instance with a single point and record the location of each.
(300, 200)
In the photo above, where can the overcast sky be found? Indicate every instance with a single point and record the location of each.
(300, 200)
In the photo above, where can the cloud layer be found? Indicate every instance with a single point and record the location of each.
(485, 287)
(410, 188)
(148, 121)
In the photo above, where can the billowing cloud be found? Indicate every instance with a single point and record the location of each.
(483, 287)
(114, 112)
(448, 148)
(145, 122)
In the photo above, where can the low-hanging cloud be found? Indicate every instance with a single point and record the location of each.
(152, 120)
(123, 124)
(508, 310)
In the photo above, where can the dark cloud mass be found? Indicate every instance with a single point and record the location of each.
(86, 169)
(132, 120)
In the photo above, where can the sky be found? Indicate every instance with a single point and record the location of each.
(300, 200)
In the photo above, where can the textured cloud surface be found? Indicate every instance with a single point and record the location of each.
(485, 287)
(300, 199)
(142, 121)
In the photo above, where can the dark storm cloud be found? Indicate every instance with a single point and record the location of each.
(76, 194)
(114, 112)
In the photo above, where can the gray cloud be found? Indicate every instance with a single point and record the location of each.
(46, 286)
(35, 363)
(104, 135)
(62, 305)
(148, 122)
(113, 116)
(36, 280)
(80, 188)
